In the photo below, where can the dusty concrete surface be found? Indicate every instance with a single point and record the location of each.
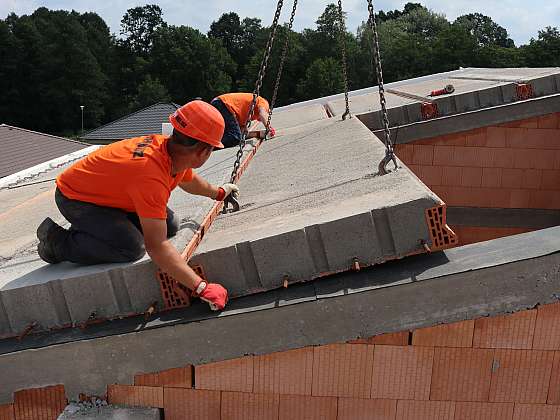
(79, 412)
(310, 205)
(494, 277)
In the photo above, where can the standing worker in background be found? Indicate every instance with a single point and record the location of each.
(116, 199)
(234, 107)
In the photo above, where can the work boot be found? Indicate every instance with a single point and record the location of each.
(46, 232)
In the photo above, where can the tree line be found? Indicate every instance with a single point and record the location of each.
(53, 61)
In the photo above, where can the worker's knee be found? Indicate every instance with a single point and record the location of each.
(172, 224)
(134, 251)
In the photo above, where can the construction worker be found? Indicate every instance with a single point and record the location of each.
(116, 199)
(234, 107)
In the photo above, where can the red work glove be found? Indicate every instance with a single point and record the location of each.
(213, 293)
(271, 131)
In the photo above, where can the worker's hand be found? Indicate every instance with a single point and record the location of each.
(213, 293)
(271, 131)
(226, 190)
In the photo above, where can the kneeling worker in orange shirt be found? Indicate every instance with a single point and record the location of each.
(116, 199)
(234, 107)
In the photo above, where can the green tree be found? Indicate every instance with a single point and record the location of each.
(150, 91)
(485, 30)
(10, 50)
(545, 50)
(139, 25)
(323, 77)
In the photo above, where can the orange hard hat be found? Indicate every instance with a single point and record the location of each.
(201, 121)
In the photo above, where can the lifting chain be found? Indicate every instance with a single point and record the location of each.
(389, 152)
(281, 67)
(342, 35)
(230, 199)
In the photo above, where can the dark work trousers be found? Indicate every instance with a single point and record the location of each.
(232, 132)
(101, 234)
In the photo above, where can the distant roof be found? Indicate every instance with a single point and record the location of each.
(140, 123)
(22, 149)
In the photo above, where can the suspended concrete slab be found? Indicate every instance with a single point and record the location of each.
(312, 206)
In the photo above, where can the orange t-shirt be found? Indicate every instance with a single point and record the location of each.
(239, 104)
(133, 175)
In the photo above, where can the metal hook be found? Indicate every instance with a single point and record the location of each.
(389, 157)
(231, 199)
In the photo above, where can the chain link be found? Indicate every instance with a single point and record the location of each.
(281, 67)
(389, 150)
(342, 35)
(256, 92)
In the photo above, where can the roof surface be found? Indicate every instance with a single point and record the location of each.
(140, 123)
(23, 149)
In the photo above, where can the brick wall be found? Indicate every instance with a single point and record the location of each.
(512, 165)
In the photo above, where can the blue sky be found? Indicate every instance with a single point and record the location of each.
(522, 18)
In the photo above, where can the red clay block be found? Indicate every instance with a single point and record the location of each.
(544, 199)
(136, 396)
(476, 138)
(7, 412)
(544, 159)
(504, 158)
(425, 410)
(471, 177)
(423, 154)
(177, 378)
(495, 137)
(516, 138)
(186, 404)
(287, 372)
(229, 375)
(405, 152)
(466, 156)
(524, 159)
(393, 339)
(342, 370)
(529, 123)
(536, 412)
(457, 334)
(483, 411)
(39, 403)
(294, 407)
(461, 374)
(431, 175)
(514, 331)
(358, 341)
(459, 139)
(550, 180)
(547, 121)
(244, 406)
(402, 372)
(547, 327)
(519, 199)
(532, 179)
(521, 376)
(443, 155)
(512, 178)
(554, 386)
(492, 177)
(360, 409)
(451, 175)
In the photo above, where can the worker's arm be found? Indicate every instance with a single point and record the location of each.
(263, 118)
(168, 259)
(199, 186)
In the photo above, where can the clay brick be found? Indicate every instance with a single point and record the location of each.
(532, 179)
(401, 372)
(309, 408)
(495, 137)
(504, 158)
(544, 200)
(342, 370)
(393, 339)
(430, 175)
(358, 341)
(287, 372)
(405, 152)
(476, 138)
(554, 386)
(423, 155)
(536, 412)
(459, 139)
(466, 156)
(512, 178)
(516, 138)
(185, 404)
(547, 121)
(514, 331)
(556, 159)
(471, 177)
(483, 411)
(492, 177)
(499, 197)
(136, 396)
(519, 199)
(461, 374)
(228, 375)
(244, 406)
(360, 409)
(443, 155)
(547, 327)
(529, 123)
(457, 334)
(451, 175)
(39, 403)
(177, 378)
(524, 159)
(521, 376)
(543, 159)
(425, 410)
(7, 412)
(550, 180)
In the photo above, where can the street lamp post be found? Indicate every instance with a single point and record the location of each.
(82, 108)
